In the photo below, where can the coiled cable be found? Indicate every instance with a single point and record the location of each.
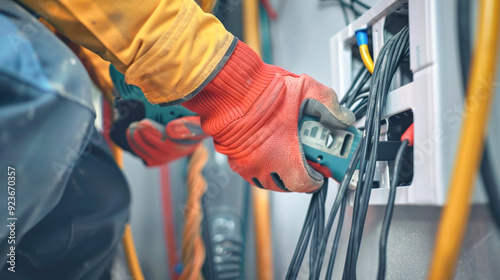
(193, 249)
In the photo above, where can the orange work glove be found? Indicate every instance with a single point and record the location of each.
(252, 111)
(153, 142)
(157, 144)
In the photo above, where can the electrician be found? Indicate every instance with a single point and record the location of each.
(176, 53)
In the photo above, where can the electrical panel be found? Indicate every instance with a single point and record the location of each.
(426, 90)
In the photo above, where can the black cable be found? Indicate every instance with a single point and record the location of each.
(351, 6)
(304, 237)
(344, 12)
(360, 114)
(355, 81)
(490, 186)
(360, 111)
(487, 175)
(362, 103)
(318, 228)
(362, 4)
(358, 89)
(336, 239)
(464, 40)
(353, 9)
(341, 194)
(382, 251)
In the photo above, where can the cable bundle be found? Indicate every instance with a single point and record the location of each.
(390, 57)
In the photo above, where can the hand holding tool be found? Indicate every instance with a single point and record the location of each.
(252, 111)
(156, 134)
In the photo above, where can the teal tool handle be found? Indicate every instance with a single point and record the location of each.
(333, 149)
(157, 113)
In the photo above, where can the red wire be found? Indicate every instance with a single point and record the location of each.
(106, 121)
(168, 221)
(271, 12)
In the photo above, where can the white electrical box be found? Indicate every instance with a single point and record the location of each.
(428, 92)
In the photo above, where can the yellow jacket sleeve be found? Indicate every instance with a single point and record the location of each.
(169, 48)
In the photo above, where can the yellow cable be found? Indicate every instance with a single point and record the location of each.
(193, 250)
(478, 104)
(251, 24)
(366, 57)
(131, 255)
(260, 198)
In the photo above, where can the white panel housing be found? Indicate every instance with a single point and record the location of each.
(435, 94)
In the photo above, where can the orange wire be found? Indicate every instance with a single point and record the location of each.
(131, 255)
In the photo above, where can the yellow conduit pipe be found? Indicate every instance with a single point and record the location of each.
(480, 93)
(260, 198)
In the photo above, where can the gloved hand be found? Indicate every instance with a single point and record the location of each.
(153, 142)
(252, 110)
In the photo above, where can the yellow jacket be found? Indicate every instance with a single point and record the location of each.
(169, 48)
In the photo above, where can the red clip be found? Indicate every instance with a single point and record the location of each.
(408, 135)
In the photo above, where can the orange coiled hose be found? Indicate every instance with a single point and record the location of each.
(193, 250)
